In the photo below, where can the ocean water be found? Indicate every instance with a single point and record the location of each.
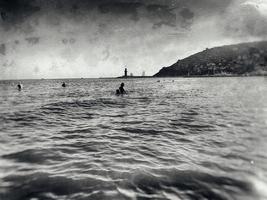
(169, 138)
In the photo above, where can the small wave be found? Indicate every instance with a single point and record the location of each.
(34, 156)
(233, 156)
(190, 113)
(139, 130)
(43, 186)
(21, 118)
(189, 184)
(80, 130)
(62, 105)
(190, 125)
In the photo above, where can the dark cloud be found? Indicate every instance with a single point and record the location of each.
(187, 14)
(207, 7)
(27, 7)
(68, 41)
(17, 11)
(33, 40)
(3, 15)
(119, 7)
(187, 17)
(3, 49)
(158, 12)
(162, 14)
(168, 13)
(12, 10)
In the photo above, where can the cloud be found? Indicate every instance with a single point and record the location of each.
(33, 40)
(260, 5)
(16, 11)
(187, 14)
(3, 49)
(245, 21)
(121, 8)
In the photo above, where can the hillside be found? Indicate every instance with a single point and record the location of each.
(239, 59)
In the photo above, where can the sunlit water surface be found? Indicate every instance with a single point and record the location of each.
(177, 138)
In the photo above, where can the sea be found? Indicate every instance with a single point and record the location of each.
(167, 138)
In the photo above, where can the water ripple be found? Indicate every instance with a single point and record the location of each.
(199, 138)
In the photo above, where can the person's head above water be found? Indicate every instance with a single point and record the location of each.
(19, 86)
(122, 84)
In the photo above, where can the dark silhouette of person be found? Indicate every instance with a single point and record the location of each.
(121, 90)
(63, 84)
(19, 86)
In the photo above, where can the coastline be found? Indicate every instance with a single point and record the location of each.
(191, 76)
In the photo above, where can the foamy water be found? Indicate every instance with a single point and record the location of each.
(196, 138)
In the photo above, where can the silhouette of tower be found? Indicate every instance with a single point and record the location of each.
(125, 72)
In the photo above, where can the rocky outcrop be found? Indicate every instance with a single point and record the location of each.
(239, 59)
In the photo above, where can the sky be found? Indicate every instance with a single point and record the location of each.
(99, 38)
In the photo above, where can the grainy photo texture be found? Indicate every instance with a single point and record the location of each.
(133, 99)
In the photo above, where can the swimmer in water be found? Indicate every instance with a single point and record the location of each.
(63, 84)
(19, 86)
(121, 90)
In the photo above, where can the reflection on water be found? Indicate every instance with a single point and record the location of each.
(198, 138)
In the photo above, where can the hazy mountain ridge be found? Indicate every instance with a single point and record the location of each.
(239, 59)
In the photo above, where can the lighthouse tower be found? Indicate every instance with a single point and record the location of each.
(125, 72)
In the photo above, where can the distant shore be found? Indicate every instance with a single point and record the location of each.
(138, 77)
(190, 76)
(129, 77)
